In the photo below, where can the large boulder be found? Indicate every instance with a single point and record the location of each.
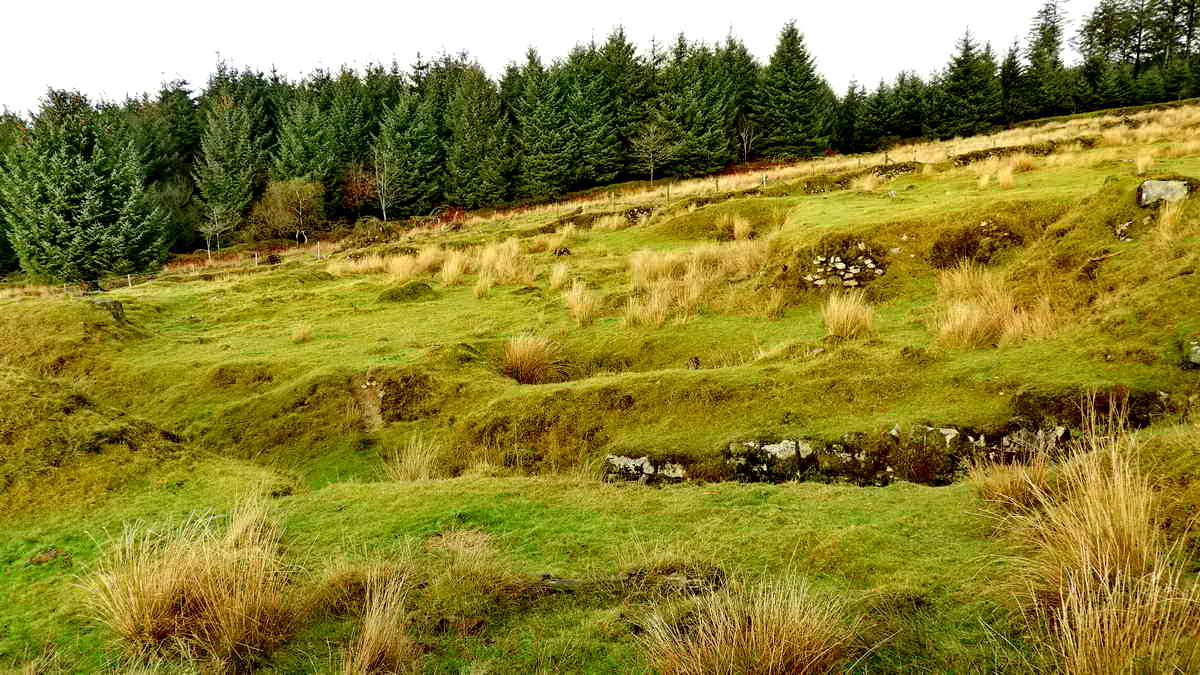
(1152, 192)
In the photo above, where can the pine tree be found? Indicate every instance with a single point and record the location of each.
(545, 143)
(1013, 86)
(230, 160)
(694, 104)
(473, 172)
(1047, 85)
(739, 74)
(628, 81)
(970, 91)
(408, 144)
(12, 132)
(307, 148)
(794, 103)
(849, 131)
(74, 197)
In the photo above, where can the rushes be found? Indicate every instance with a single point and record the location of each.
(199, 591)
(583, 304)
(383, 644)
(783, 627)
(558, 275)
(531, 359)
(977, 308)
(1099, 578)
(418, 458)
(847, 314)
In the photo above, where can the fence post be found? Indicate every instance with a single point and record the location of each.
(318, 249)
(129, 280)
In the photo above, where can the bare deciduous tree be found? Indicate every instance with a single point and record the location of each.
(653, 146)
(747, 134)
(218, 223)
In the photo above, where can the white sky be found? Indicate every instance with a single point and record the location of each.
(109, 49)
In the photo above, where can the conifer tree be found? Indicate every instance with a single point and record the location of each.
(74, 197)
(1047, 84)
(1013, 92)
(473, 172)
(850, 127)
(12, 132)
(228, 165)
(739, 74)
(970, 91)
(307, 148)
(628, 80)
(409, 147)
(794, 104)
(545, 143)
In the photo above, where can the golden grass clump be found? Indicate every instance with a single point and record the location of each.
(868, 182)
(504, 263)
(582, 303)
(1004, 177)
(611, 222)
(302, 333)
(1144, 162)
(418, 458)
(383, 644)
(780, 627)
(1167, 233)
(198, 591)
(558, 275)
(455, 265)
(847, 314)
(654, 309)
(978, 309)
(531, 359)
(367, 264)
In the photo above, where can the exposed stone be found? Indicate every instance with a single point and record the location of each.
(630, 466)
(1191, 353)
(1152, 192)
(673, 471)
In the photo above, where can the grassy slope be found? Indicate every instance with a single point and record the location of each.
(212, 364)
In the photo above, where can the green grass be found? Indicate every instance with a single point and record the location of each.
(204, 396)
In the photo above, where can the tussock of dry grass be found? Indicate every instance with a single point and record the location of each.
(418, 458)
(1167, 233)
(977, 309)
(558, 275)
(383, 644)
(868, 182)
(1004, 177)
(847, 314)
(199, 591)
(1144, 162)
(531, 359)
(1100, 580)
(582, 303)
(26, 291)
(504, 263)
(455, 265)
(783, 627)
(302, 333)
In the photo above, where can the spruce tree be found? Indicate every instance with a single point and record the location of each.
(739, 74)
(849, 131)
(12, 132)
(231, 159)
(408, 144)
(628, 81)
(794, 103)
(473, 171)
(1013, 90)
(74, 197)
(1047, 83)
(970, 91)
(545, 143)
(307, 148)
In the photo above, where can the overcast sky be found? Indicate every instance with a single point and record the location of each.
(110, 49)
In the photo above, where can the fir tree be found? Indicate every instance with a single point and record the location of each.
(12, 132)
(409, 147)
(473, 172)
(74, 198)
(849, 131)
(794, 102)
(307, 148)
(1047, 84)
(1013, 86)
(970, 91)
(544, 139)
(228, 166)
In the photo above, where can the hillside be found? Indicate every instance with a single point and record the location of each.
(472, 400)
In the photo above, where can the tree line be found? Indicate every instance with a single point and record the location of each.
(100, 187)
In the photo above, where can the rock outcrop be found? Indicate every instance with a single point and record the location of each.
(1152, 192)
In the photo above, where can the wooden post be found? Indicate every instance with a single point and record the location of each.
(256, 258)
(129, 280)
(318, 250)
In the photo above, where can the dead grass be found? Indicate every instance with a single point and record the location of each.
(771, 628)
(302, 333)
(1005, 178)
(504, 263)
(1098, 576)
(383, 644)
(558, 275)
(417, 458)
(455, 265)
(868, 182)
(847, 314)
(582, 303)
(1166, 235)
(977, 308)
(199, 591)
(27, 291)
(531, 359)
(1144, 162)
